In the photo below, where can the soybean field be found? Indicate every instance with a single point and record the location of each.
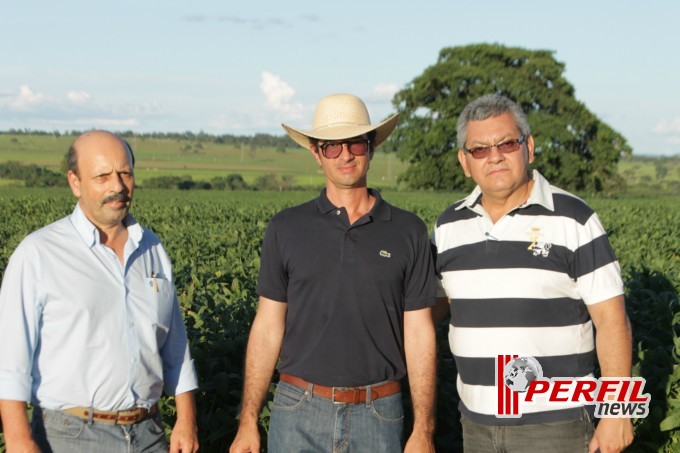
(214, 240)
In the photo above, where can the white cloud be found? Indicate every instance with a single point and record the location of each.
(256, 23)
(106, 123)
(384, 92)
(277, 91)
(24, 99)
(667, 127)
(78, 97)
(279, 107)
(76, 109)
(278, 95)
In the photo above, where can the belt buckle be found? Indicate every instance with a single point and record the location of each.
(333, 396)
(356, 395)
(142, 413)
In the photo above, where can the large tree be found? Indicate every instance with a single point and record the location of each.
(574, 149)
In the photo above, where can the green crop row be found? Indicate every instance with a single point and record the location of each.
(214, 240)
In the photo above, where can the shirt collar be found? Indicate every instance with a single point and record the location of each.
(540, 194)
(90, 233)
(380, 210)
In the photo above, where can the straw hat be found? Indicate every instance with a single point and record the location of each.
(339, 117)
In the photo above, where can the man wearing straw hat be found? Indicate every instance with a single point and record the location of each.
(345, 285)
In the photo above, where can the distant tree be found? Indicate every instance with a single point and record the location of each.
(32, 175)
(174, 182)
(233, 181)
(574, 149)
(236, 182)
(661, 168)
(273, 181)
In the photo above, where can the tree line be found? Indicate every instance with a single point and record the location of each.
(259, 140)
(35, 176)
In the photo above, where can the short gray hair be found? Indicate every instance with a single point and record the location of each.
(489, 106)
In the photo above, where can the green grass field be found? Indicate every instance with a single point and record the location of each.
(164, 157)
(205, 160)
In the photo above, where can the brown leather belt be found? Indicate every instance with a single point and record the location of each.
(127, 417)
(351, 395)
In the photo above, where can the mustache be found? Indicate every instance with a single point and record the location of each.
(117, 197)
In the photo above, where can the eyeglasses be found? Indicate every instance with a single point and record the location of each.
(332, 150)
(481, 152)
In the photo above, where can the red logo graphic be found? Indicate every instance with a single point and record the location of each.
(613, 397)
(508, 400)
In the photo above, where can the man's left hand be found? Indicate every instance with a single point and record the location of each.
(419, 442)
(612, 435)
(184, 437)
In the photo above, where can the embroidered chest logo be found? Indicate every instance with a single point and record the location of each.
(538, 246)
(385, 254)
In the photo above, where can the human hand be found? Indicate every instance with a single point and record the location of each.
(612, 435)
(419, 442)
(26, 445)
(247, 440)
(184, 437)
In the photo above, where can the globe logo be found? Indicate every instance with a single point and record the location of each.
(520, 372)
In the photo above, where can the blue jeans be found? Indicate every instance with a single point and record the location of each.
(57, 432)
(556, 437)
(303, 422)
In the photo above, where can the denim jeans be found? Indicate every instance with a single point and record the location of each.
(57, 432)
(557, 437)
(303, 422)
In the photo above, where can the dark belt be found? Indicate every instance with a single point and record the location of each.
(127, 417)
(351, 395)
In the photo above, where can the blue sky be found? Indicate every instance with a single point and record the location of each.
(244, 67)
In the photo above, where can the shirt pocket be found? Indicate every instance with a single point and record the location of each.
(161, 295)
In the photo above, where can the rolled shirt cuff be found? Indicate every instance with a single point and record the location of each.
(15, 386)
(185, 381)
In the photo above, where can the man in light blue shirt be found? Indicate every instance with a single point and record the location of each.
(90, 327)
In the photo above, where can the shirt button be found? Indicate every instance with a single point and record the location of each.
(337, 212)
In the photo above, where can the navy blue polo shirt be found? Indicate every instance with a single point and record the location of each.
(347, 287)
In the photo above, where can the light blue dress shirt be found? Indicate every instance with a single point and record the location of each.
(77, 328)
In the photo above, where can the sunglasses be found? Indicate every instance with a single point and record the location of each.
(481, 152)
(332, 150)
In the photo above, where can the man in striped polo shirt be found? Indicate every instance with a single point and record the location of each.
(527, 270)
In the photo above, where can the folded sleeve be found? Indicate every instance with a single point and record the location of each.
(20, 310)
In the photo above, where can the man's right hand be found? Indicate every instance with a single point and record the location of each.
(22, 446)
(247, 440)
(17, 429)
(264, 347)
